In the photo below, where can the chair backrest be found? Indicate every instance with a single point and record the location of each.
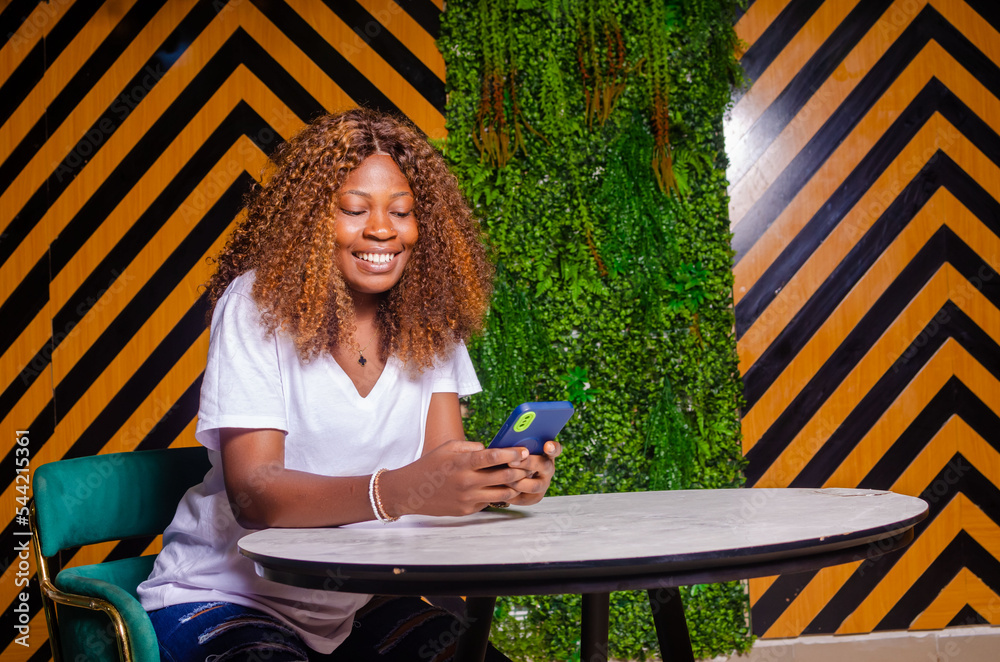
(95, 499)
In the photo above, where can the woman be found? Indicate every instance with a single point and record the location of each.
(330, 396)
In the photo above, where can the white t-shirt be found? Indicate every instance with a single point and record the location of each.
(255, 381)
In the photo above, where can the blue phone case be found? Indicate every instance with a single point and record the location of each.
(531, 424)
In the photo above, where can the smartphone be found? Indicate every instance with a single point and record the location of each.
(531, 424)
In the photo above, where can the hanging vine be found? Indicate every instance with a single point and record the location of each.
(498, 138)
(657, 77)
(601, 58)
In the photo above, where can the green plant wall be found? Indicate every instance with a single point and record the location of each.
(609, 292)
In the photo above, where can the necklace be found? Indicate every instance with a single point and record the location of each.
(361, 352)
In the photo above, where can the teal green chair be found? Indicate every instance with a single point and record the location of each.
(92, 611)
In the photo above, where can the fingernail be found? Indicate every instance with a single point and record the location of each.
(524, 453)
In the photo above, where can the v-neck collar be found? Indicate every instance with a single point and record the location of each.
(376, 387)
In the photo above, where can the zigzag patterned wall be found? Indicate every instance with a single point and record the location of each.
(129, 132)
(865, 183)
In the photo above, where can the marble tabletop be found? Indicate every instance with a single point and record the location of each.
(601, 535)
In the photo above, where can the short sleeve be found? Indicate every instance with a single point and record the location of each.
(456, 374)
(242, 384)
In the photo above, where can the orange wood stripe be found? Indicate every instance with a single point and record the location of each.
(758, 18)
(972, 26)
(143, 342)
(844, 318)
(302, 68)
(65, 137)
(960, 514)
(439, 4)
(186, 438)
(835, 89)
(37, 25)
(825, 101)
(161, 400)
(965, 589)
(942, 206)
(372, 66)
(15, 364)
(871, 367)
(782, 69)
(937, 133)
(57, 75)
(900, 414)
(790, 382)
(931, 62)
(114, 377)
(15, 652)
(416, 40)
(240, 86)
(804, 608)
(242, 155)
(758, 585)
(954, 437)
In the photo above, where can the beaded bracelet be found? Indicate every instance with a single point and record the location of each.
(376, 499)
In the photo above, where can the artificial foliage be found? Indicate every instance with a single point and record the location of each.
(614, 281)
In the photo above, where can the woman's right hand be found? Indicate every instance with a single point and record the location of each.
(456, 478)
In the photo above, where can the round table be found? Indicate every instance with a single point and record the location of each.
(594, 544)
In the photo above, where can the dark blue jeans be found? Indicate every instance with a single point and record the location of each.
(386, 630)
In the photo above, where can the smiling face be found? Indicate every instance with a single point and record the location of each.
(374, 225)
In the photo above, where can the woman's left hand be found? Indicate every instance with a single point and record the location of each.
(541, 468)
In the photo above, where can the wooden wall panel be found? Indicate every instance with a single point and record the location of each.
(129, 132)
(865, 208)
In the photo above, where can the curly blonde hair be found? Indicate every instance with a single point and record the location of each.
(288, 239)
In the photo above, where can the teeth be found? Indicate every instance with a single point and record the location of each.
(377, 258)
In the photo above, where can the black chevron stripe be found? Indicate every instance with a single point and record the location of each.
(140, 384)
(939, 171)
(967, 616)
(69, 96)
(390, 49)
(148, 148)
(129, 321)
(241, 121)
(943, 247)
(928, 25)
(804, 84)
(44, 651)
(238, 49)
(950, 321)
(27, 300)
(128, 548)
(21, 81)
(12, 16)
(934, 97)
(29, 373)
(321, 52)
(425, 13)
(773, 40)
(30, 71)
(988, 9)
(866, 577)
(953, 399)
(173, 422)
(962, 552)
(125, 325)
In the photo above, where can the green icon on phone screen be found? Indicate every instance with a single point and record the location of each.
(523, 422)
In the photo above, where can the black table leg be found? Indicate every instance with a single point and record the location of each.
(671, 628)
(479, 617)
(594, 627)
